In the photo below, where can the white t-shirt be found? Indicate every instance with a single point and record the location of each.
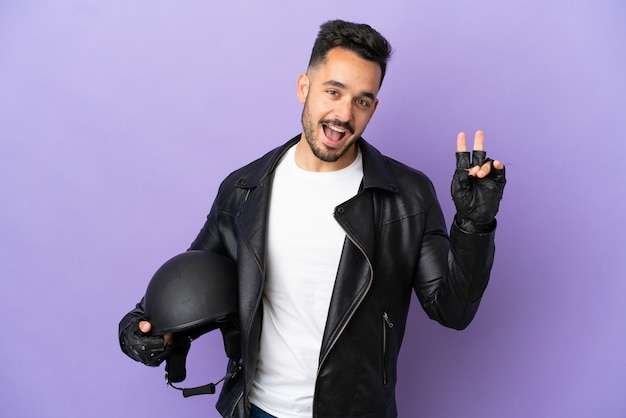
(304, 245)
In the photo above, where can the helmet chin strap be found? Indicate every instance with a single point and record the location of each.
(207, 389)
(175, 363)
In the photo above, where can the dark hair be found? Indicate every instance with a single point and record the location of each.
(359, 38)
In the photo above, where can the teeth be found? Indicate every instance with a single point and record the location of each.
(336, 129)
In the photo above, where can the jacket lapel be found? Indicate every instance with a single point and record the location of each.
(359, 218)
(355, 272)
(251, 219)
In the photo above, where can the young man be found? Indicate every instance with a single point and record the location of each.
(331, 238)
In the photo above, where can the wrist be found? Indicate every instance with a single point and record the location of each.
(472, 227)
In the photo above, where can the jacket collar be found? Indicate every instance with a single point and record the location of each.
(376, 173)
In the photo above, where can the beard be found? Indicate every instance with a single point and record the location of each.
(321, 151)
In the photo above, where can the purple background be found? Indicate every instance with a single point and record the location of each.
(118, 120)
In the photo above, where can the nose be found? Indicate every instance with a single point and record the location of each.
(343, 110)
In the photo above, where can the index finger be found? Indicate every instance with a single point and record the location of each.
(479, 141)
(461, 144)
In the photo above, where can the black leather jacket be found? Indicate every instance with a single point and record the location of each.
(396, 243)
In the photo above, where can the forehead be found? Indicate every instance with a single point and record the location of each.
(347, 68)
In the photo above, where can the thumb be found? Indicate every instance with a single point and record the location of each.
(145, 326)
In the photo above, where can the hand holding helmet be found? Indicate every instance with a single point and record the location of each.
(191, 294)
(136, 342)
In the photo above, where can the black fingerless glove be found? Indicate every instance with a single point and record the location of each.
(477, 200)
(147, 349)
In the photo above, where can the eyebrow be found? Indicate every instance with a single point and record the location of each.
(343, 86)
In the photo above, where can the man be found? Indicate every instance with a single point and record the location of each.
(331, 238)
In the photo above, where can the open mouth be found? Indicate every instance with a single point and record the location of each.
(333, 132)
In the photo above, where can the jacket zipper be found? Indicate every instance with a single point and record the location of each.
(386, 324)
(258, 302)
(244, 346)
(345, 324)
(238, 368)
(232, 411)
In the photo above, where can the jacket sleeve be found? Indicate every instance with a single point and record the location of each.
(453, 271)
(217, 233)
(207, 239)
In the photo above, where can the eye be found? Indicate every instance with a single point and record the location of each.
(363, 102)
(332, 92)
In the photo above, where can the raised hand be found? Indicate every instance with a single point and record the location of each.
(477, 185)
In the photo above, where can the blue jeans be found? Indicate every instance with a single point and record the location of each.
(256, 412)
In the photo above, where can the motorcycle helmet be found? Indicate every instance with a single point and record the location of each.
(189, 295)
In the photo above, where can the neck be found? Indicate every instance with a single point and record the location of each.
(307, 160)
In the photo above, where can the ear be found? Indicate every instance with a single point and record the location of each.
(302, 87)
